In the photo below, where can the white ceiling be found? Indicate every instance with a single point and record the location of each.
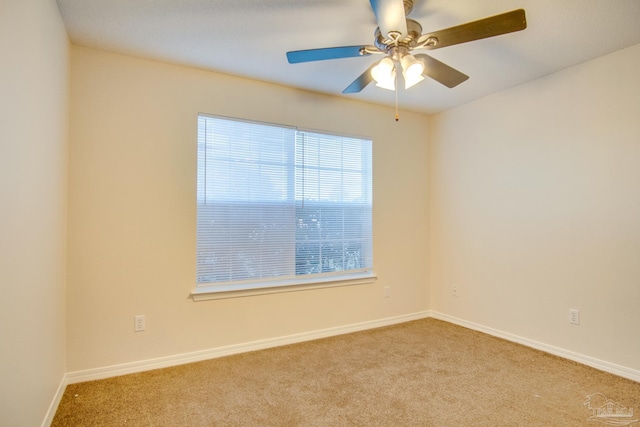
(249, 38)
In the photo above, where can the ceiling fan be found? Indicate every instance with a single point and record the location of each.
(397, 36)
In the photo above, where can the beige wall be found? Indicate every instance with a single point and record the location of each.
(132, 211)
(33, 161)
(531, 197)
(535, 196)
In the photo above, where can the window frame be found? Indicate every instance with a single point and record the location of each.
(296, 283)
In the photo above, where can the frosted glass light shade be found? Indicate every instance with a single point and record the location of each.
(385, 74)
(412, 70)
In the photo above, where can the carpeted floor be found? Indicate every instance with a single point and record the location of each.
(421, 373)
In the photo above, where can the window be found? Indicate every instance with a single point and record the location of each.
(280, 208)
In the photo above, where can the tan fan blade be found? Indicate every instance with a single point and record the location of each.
(488, 27)
(361, 82)
(390, 16)
(441, 72)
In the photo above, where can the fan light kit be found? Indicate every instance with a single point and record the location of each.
(384, 73)
(397, 36)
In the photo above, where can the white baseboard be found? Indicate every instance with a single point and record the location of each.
(51, 412)
(197, 356)
(601, 365)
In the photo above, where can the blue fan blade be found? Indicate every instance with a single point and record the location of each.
(325, 53)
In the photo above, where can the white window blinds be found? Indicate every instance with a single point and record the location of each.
(275, 203)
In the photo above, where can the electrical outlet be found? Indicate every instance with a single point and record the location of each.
(454, 290)
(574, 316)
(386, 291)
(139, 323)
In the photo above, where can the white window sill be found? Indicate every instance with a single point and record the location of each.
(204, 293)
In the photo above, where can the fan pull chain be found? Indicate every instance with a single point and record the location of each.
(397, 116)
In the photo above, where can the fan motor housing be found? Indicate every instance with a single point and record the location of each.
(414, 30)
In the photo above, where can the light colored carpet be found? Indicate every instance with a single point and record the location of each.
(421, 373)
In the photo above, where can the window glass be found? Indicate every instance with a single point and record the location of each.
(277, 203)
